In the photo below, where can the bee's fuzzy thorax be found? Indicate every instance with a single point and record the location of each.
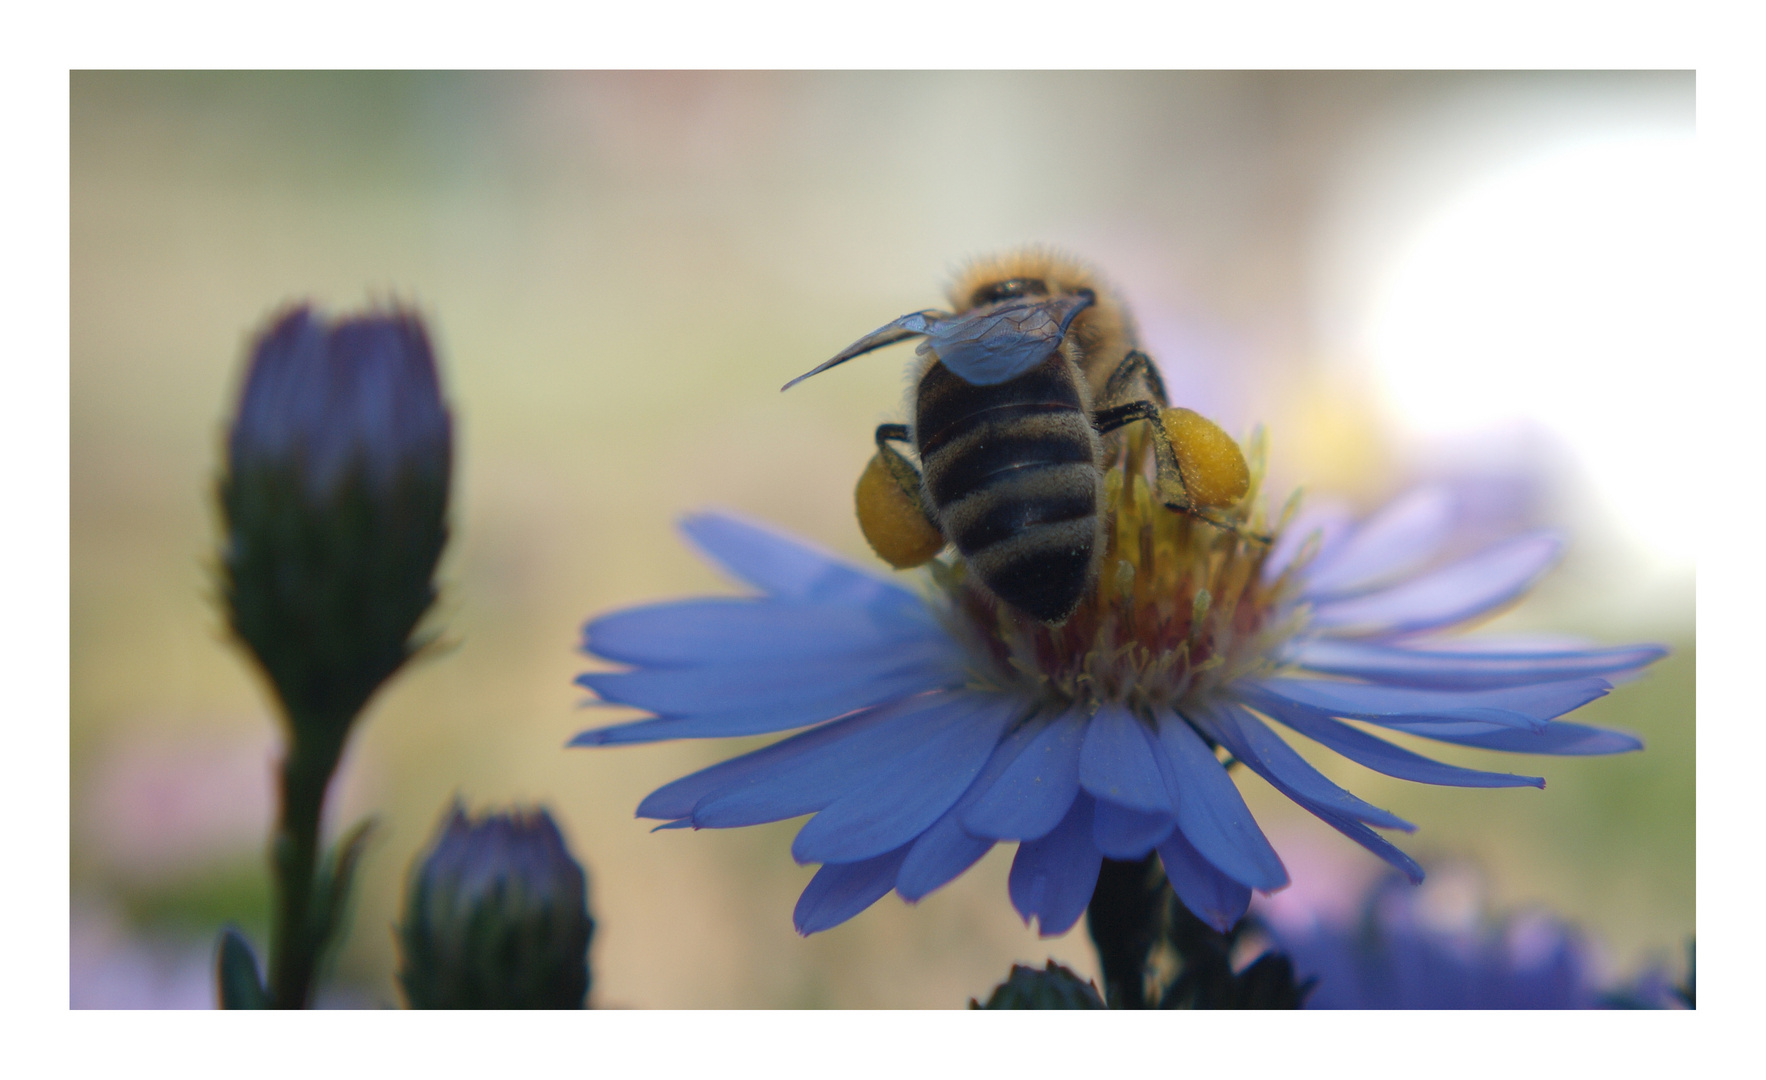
(1104, 332)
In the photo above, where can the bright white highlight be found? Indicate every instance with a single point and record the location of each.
(1561, 291)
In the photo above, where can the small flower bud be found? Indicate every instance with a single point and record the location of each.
(335, 505)
(1054, 987)
(496, 917)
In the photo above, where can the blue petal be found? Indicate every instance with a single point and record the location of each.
(1378, 754)
(811, 705)
(816, 779)
(1121, 833)
(1510, 706)
(1268, 756)
(1558, 737)
(785, 567)
(1329, 522)
(1032, 795)
(1117, 762)
(1394, 542)
(1450, 670)
(839, 892)
(721, 687)
(1444, 597)
(1210, 811)
(947, 849)
(937, 857)
(1052, 878)
(821, 750)
(737, 630)
(899, 797)
(1210, 895)
(1372, 841)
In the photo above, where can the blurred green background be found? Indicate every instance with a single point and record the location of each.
(621, 269)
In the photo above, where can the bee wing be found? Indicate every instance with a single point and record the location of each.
(1002, 341)
(914, 325)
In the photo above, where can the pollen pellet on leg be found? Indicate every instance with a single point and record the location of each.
(1213, 466)
(896, 529)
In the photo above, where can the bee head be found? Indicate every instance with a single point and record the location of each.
(994, 291)
(1104, 329)
(1030, 271)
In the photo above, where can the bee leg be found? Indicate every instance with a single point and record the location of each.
(1134, 379)
(891, 511)
(900, 468)
(1168, 477)
(1121, 381)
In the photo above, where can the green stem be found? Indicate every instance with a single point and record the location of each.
(298, 937)
(1133, 913)
(1126, 920)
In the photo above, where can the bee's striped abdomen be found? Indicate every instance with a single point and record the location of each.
(1011, 472)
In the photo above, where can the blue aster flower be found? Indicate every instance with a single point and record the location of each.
(941, 722)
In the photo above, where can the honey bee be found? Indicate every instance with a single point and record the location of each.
(1018, 389)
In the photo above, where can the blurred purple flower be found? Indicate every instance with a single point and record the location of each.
(158, 803)
(110, 968)
(115, 965)
(943, 728)
(1396, 956)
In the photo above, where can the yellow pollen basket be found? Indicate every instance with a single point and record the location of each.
(1213, 467)
(895, 528)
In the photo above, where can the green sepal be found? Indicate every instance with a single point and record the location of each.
(332, 884)
(1269, 983)
(327, 596)
(237, 982)
(1207, 979)
(1054, 987)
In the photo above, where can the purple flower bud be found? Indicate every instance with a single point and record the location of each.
(335, 500)
(496, 917)
(359, 396)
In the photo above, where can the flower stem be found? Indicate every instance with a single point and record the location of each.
(1134, 915)
(1126, 919)
(300, 928)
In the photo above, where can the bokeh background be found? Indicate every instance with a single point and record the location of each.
(1475, 279)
